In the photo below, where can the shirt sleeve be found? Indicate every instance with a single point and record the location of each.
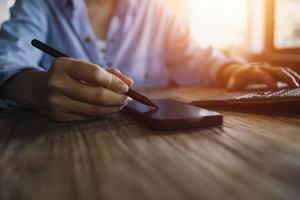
(28, 21)
(186, 61)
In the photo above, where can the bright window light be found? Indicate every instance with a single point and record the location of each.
(287, 24)
(10, 2)
(4, 9)
(219, 23)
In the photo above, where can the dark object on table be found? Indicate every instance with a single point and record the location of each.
(267, 100)
(173, 115)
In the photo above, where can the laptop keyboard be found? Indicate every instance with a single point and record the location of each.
(263, 100)
(283, 93)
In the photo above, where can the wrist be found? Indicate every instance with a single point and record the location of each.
(26, 88)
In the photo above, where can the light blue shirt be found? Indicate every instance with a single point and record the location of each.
(145, 40)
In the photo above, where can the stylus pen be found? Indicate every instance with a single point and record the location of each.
(56, 54)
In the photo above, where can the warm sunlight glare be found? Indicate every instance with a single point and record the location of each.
(219, 23)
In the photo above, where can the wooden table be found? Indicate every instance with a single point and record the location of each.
(252, 156)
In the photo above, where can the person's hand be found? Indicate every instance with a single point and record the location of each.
(240, 76)
(77, 90)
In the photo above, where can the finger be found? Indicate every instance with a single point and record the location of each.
(294, 82)
(251, 76)
(295, 74)
(238, 84)
(282, 74)
(267, 79)
(263, 77)
(95, 75)
(122, 76)
(85, 110)
(92, 94)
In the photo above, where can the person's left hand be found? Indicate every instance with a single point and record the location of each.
(240, 76)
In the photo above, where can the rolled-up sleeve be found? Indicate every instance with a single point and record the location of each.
(28, 21)
(187, 62)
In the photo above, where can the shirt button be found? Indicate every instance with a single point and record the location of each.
(87, 40)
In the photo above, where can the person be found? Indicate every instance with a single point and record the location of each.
(141, 38)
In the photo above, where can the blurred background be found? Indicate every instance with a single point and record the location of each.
(266, 30)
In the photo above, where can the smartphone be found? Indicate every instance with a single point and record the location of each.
(172, 115)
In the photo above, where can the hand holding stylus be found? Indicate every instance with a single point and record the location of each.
(96, 91)
(77, 90)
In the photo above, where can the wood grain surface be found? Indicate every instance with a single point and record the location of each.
(252, 156)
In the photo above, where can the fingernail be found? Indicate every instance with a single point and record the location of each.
(122, 107)
(122, 87)
(126, 101)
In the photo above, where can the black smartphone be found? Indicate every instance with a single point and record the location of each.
(172, 115)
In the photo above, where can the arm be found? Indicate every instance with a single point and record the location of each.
(28, 20)
(65, 93)
(26, 88)
(187, 62)
(68, 93)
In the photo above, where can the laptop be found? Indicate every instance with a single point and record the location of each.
(258, 100)
(267, 100)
